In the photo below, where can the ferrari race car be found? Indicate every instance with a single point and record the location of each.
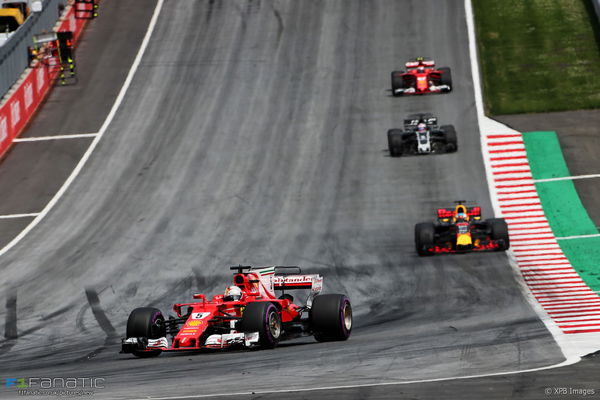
(248, 315)
(459, 230)
(421, 77)
(421, 135)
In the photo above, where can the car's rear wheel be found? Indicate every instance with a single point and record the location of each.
(397, 82)
(499, 231)
(146, 322)
(451, 140)
(424, 238)
(395, 142)
(262, 317)
(331, 317)
(446, 78)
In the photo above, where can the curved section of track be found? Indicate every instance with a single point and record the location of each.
(254, 133)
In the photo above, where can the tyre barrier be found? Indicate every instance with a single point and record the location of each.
(22, 101)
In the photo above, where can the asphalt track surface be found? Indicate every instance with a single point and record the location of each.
(254, 133)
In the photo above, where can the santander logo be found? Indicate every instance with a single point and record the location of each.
(292, 279)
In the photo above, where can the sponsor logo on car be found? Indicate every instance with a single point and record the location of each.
(278, 280)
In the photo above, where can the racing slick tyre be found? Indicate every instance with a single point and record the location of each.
(331, 317)
(451, 141)
(424, 238)
(499, 231)
(395, 142)
(146, 322)
(262, 317)
(446, 78)
(397, 82)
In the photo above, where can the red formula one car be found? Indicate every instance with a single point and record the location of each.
(249, 314)
(459, 230)
(421, 77)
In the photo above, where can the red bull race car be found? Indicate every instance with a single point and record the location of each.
(421, 77)
(249, 314)
(459, 230)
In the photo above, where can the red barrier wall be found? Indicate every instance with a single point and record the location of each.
(18, 109)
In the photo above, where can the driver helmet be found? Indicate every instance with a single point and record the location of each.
(461, 216)
(421, 69)
(232, 293)
(421, 127)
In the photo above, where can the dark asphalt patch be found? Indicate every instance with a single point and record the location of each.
(34, 171)
(11, 227)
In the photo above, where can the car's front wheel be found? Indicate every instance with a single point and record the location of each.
(397, 82)
(395, 142)
(146, 322)
(262, 317)
(499, 231)
(446, 78)
(424, 238)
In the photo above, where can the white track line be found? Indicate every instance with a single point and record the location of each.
(567, 178)
(57, 137)
(97, 138)
(578, 237)
(13, 216)
(364, 385)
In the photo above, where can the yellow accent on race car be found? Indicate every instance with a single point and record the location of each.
(463, 240)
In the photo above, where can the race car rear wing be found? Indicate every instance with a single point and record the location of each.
(413, 122)
(415, 64)
(312, 282)
(289, 277)
(266, 280)
(447, 213)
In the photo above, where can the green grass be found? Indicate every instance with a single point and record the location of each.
(538, 55)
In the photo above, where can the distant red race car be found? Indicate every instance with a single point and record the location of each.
(460, 230)
(249, 314)
(421, 77)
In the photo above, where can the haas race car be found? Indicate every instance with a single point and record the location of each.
(460, 229)
(421, 135)
(249, 314)
(421, 77)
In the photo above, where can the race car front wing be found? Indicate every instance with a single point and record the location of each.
(431, 89)
(216, 341)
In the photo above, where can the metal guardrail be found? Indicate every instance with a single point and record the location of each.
(596, 4)
(13, 54)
